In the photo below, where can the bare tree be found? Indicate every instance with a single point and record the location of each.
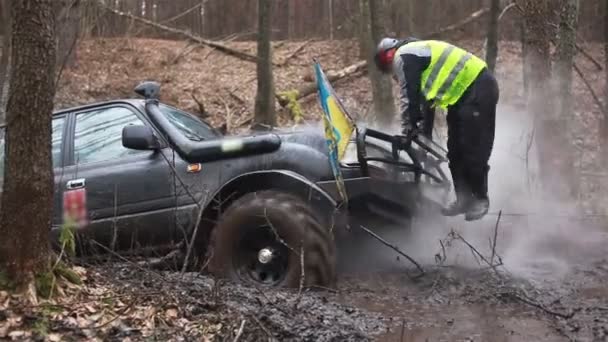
(68, 14)
(5, 58)
(265, 112)
(492, 38)
(27, 196)
(372, 32)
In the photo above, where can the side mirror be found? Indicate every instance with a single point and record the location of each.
(139, 137)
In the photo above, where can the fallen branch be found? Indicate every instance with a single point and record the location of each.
(590, 88)
(532, 303)
(384, 242)
(218, 46)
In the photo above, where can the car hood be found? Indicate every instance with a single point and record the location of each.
(312, 138)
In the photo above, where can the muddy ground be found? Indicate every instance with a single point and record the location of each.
(550, 287)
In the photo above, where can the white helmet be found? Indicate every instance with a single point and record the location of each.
(385, 53)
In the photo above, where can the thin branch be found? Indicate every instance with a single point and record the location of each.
(181, 14)
(590, 88)
(506, 9)
(286, 60)
(474, 16)
(384, 242)
(240, 332)
(194, 234)
(532, 303)
(495, 237)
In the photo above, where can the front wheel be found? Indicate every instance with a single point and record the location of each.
(265, 237)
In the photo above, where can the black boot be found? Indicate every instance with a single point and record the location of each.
(462, 194)
(480, 202)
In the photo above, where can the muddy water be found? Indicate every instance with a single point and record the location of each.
(563, 272)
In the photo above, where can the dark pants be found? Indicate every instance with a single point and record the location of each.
(471, 124)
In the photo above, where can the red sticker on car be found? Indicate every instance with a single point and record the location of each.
(75, 207)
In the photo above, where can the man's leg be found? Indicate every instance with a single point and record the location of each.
(429, 120)
(479, 136)
(456, 164)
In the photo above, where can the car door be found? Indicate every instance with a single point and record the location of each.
(59, 125)
(128, 193)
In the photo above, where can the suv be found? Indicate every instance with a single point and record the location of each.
(144, 175)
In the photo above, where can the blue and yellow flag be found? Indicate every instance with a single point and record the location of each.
(338, 126)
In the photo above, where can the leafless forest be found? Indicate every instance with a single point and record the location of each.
(533, 269)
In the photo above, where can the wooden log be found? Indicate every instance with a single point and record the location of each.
(306, 89)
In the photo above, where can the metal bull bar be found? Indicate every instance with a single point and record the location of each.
(404, 143)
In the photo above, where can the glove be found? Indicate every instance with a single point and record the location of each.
(409, 130)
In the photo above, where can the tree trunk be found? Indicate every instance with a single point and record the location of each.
(411, 22)
(551, 138)
(5, 58)
(372, 19)
(27, 196)
(492, 38)
(604, 130)
(265, 113)
(291, 19)
(566, 50)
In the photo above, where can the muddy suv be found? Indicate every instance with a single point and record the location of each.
(142, 175)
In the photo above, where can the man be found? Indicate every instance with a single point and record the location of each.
(437, 74)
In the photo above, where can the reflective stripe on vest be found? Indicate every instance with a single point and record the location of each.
(450, 73)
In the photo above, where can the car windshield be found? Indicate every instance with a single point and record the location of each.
(192, 127)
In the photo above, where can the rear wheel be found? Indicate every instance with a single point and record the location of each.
(261, 236)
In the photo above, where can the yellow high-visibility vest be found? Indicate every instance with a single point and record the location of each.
(451, 72)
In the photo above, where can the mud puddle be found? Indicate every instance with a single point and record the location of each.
(415, 312)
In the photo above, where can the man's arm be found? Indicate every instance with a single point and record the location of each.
(413, 67)
(410, 63)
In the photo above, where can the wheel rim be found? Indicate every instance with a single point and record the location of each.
(261, 257)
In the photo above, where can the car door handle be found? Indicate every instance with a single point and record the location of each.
(75, 184)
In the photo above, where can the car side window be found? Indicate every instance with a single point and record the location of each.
(56, 140)
(98, 134)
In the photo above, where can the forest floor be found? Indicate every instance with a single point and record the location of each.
(550, 286)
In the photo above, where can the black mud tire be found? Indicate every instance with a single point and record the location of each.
(298, 226)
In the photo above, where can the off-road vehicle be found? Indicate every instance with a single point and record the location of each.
(141, 174)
